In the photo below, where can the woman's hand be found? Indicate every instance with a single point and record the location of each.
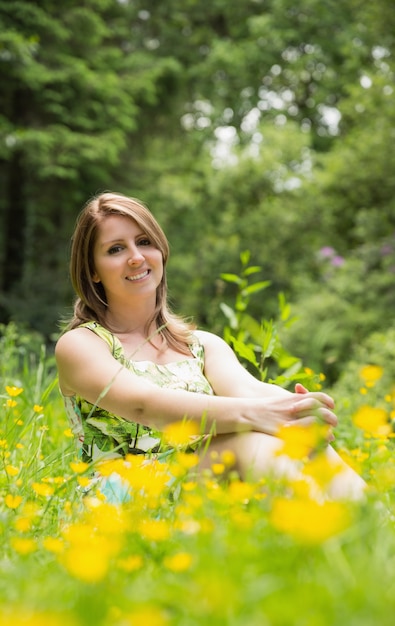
(299, 388)
(300, 408)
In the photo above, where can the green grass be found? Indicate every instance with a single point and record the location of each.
(184, 553)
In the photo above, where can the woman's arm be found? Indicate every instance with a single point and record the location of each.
(227, 375)
(87, 368)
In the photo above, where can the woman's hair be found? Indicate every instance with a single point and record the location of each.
(91, 300)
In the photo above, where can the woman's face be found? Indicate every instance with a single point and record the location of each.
(126, 261)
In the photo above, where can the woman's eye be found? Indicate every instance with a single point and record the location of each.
(114, 249)
(144, 242)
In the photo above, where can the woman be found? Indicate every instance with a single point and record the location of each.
(128, 367)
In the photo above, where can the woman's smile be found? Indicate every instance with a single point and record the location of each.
(138, 276)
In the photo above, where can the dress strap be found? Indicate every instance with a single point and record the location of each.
(197, 349)
(111, 340)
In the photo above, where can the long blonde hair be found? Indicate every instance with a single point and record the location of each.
(91, 300)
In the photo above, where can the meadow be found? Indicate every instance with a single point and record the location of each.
(186, 550)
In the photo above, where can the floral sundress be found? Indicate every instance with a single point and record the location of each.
(100, 434)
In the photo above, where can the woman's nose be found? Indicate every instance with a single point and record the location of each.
(135, 256)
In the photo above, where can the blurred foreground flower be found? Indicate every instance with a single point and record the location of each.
(13, 391)
(179, 562)
(43, 489)
(12, 501)
(180, 433)
(308, 521)
(23, 545)
(29, 617)
(322, 469)
(372, 420)
(370, 374)
(299, 441)
(147, 616)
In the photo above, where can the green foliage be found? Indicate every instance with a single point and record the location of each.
(224, 120)
(258, 344)
(63, 557)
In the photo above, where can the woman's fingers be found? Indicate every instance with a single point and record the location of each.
(319, 395)
(311, 407)
(299, 388)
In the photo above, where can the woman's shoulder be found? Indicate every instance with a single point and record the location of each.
(86, 335)
(208, 340)
(77, 337)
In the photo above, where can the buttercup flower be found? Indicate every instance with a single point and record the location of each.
(180, 433)
(12, 501)
(309, 521)
(13, 391)
(42, 489)
(373, 420)
(370, 374)
(179, 562)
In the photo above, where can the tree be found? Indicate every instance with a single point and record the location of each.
(72, 95)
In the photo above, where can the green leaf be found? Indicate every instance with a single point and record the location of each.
(231, 278)
(229, 314)
(269, 339)
(256, 287)
(245, 257)
(253, 269)
(244, 351)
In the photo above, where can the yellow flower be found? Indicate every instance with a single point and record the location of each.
(20, 617)
(180, 433)
(79, 533)
(58, 480)
(308, 521)
(12, 501)
(322, 469)
(23, 524)
(11, 403)
(218, 468)
(53, 544)
(370, 374)
(193, 500)
(131, 563)
(179, 562)
(68, 433)
(228, 458)
(189, 485)
(38, 408)
(83, 481)
(372, 420)
(155, 530)
(241, 491)
(299, 441)
(149, 616)
(186, 460)
(42, 489)
(12, 470)
(87, 563)
(79, 467)
(23, 545)
(13, 391)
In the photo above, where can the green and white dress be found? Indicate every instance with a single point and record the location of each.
(100, 434)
